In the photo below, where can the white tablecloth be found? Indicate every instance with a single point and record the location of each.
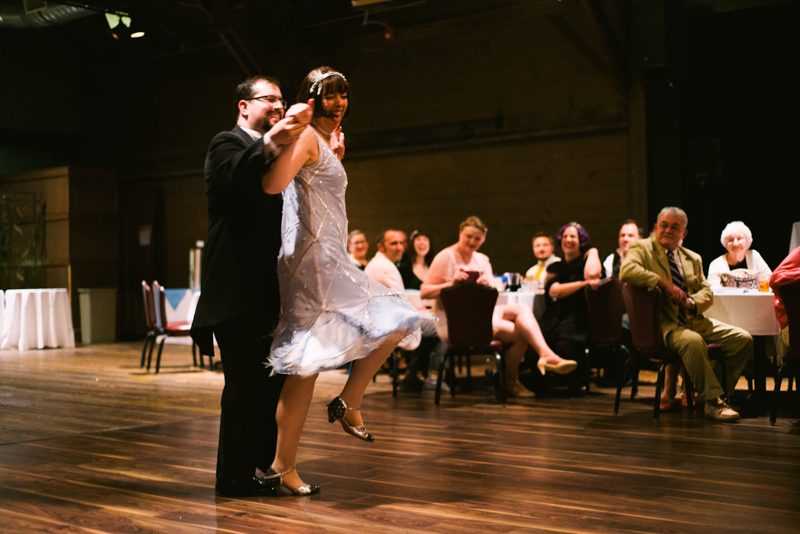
(37, 318)
(747, 309)
(534, 300)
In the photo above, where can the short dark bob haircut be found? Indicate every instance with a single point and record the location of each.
(583, 236)
(412, 252)
(335, 83)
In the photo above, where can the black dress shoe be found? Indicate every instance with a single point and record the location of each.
(246, 487)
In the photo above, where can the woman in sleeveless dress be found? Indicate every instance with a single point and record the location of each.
(513, 324)
(331, 312)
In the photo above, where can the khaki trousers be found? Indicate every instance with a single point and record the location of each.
(691, 343)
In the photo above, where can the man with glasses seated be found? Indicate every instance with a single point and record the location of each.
(662, 261)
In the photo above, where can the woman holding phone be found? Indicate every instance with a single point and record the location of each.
(513, 324)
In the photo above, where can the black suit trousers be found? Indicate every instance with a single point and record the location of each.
(247, 431)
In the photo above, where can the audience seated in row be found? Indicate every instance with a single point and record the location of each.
(416, 262)
(383, 269)
(737, 238)
(662, 261)
(543, 251)
(358, 247)
(565, 321)
(514, 324)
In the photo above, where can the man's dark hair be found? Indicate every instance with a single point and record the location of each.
(246, 89)
(633, 221)
(382, 235)
(537, 235)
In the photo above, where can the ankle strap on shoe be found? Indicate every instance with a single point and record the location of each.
(281, 475)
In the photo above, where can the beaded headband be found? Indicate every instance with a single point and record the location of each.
(318, 77)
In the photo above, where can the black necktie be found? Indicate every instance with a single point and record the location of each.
(678, 280)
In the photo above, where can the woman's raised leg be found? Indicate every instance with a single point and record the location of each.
(528, 328)
(291, 417)
(361, 375)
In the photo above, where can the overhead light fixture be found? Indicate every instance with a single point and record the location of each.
(120, 26)
(136, 30)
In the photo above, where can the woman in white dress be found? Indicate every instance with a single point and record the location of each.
(737, 238)
(331, 312)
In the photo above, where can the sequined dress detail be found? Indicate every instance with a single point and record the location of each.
(331, 312)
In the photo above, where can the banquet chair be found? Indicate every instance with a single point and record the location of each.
(166, 329)
(150, 321)
(644, 313)
(790, 365)
(606, 308)
(468, 307)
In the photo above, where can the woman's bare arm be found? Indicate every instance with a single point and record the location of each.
(593, 269)
(293, 157)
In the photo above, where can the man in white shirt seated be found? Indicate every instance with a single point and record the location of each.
(543, 250)
(381, 268)
(629, 233)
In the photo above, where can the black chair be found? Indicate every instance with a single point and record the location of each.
(606, 308)
(167, 329)
(644, 313)
(790, 365)
(469, 307)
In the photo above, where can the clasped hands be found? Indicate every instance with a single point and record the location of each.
(676, 294)
(288, 129)
(462, 276)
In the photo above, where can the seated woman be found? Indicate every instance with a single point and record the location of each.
(565, 322)
(513, 324)
(737, 238)
(357, 247)
(415, 265)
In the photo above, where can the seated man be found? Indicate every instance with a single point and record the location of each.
(628, 234)
(543, 251)
(382, 269)
(661, 261)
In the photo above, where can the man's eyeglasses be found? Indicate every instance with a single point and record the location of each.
(272, 99)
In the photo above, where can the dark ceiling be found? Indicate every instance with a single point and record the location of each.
(244, 29)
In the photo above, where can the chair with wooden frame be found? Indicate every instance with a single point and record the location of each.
(644, 312)
(790, 364)
(469, 307)
(167, 329)
(606, 308)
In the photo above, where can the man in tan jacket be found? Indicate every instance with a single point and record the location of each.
(661, 261)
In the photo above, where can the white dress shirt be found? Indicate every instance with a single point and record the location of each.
(382, 270)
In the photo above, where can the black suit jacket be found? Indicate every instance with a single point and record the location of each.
(244, 238)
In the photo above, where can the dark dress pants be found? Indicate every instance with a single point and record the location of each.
(247, 429)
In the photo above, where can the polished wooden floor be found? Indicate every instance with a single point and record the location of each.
(91, 443)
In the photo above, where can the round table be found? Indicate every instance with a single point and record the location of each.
(37, 318)
(751, 310)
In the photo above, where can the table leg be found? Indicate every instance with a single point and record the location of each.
(760, 368)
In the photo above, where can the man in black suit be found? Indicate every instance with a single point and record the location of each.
(240, 302)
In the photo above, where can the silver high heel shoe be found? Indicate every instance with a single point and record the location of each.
(305, 489)
(337, 409)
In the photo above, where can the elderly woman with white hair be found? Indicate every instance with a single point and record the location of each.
(737, 238)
